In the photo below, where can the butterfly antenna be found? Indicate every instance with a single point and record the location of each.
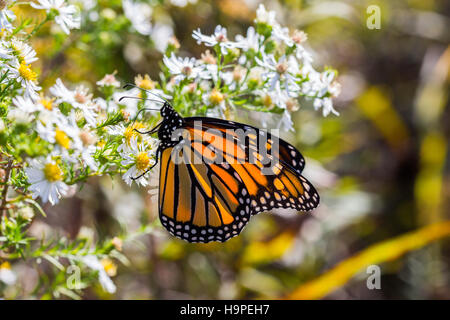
(129, 97)
(148, 91)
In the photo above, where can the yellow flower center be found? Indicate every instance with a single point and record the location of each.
(292, 105)
(208, 58)
(186, 70)
(81, 97)
(109, 266)
(299, 36)
(26, 72)
(142, 161)
(130, 133)
(221, 38)
(87, 138)
(145, 83)
(267, 100)
(52, 172)
(47, 103)
(62, 139)
(5, 265)
(216, 97)
(101, 143)
(282, 67)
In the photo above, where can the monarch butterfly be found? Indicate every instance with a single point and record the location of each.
(206, 200)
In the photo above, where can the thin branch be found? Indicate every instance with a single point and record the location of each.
(5, 187)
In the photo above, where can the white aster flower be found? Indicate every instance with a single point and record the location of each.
(215, 100)
(234, 78)
(44, 104)
(264, 16)
(139, 14)
(141, 157)
(26, 77)
(80, 99)
(23, 51)
(321, 87)
(326, 104)
(128, 133)
(161, 36)
(250, 42)
(281, 72)
(219, 37)
(66, 16)
(6, 16)
(182, 68)
(282, 35)
(94, 263)
(46, 181)
(7, 276)
(25, 104)
(18, 116)
(109, 80)
(82, 142)
(5, 51)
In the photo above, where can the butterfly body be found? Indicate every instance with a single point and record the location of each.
(214, 176)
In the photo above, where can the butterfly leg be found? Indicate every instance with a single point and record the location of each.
(150, 131)
(156, 162)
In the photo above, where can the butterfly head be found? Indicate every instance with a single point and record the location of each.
(171, 122)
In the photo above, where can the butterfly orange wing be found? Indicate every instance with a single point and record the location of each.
(202, 199)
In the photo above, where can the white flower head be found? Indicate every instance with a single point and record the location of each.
(218, 38)
(23, 51)
(80, 98)
(162, 35)
(94, 263)
(281, 35)
(141, 157)
(327, 106)
(7, 276)
(109, 80)
(26, 77)
(182, 68)
(66, 16)
(250, 42)
(46, 179)
(139, 14)
(25, 104)
(264, 16)
(6, 16)
(281, 72)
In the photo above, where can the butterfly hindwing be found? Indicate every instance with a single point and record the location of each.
(200, 202)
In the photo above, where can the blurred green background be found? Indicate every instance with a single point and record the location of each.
(381, 167)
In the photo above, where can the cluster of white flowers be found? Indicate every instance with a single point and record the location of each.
(269, 66)
(65, 15)
(15, 59)
(140, 16)
(68, 121)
